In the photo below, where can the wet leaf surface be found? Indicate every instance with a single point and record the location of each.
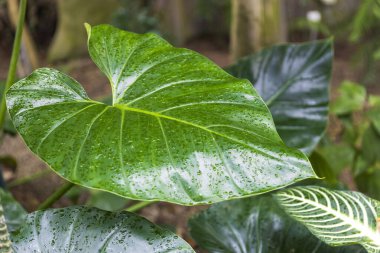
(180, 128)
(256, 225)
(14, 213)
(294, 82)
(89, 230)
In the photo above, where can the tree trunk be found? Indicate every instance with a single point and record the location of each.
(177, 17)
(70, 38)
(256, 24)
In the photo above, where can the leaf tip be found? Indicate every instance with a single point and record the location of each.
(88, 29)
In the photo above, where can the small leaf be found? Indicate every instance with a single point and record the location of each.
(368, 181)
(5, 243)
(14, 213)
(374, 116)
(88, 230)
(336, 217)
(180, 128)
(294, 82)
(106, 201)
(322, 168)
(371, 146)
(374, 100)
(351, 98)
(338, 156)
(256, 225)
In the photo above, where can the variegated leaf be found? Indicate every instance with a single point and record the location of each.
(5, 243)
(336, 217)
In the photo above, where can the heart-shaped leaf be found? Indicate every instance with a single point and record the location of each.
(336, 217)
(83, 229)
(294, 82)
(256, 225)
(180, 128)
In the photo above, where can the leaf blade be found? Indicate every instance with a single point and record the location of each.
(254, 225)
(195, 142)
(92, 230)
(336, 217)
(294, 81)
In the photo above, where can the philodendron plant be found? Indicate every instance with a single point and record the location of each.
(182, 130)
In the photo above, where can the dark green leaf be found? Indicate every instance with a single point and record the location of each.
(256, 225)
(180, 129)
(294, 82)
(323, 168)
(369, 181)
(81, 229)
(14, 213)
(351, 98)
(338, 156)
(371, 146)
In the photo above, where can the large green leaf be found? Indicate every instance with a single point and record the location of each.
(81, 229)
(336, 217)
(294, 82)
(256, 225)
(180, 128)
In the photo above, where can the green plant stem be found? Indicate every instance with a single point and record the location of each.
(14, 60)
(138, 206)
(56, 195)
(27, 179)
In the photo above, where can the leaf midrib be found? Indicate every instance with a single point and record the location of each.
(158, 115)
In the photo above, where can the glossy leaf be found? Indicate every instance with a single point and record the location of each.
(256, 225)
(82, 229)
(336, 217)
(294, 82)
(14, 213)
(322, 168)
(351, 98)
(180, 128)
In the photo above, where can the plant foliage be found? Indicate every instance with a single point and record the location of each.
(180, 128)
(294, 82)
(336, 217)
(88, 230)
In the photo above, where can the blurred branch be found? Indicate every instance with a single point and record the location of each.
(28, 43)
(14, 59)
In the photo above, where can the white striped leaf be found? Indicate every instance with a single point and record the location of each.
(336, 217)
(5, 243)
